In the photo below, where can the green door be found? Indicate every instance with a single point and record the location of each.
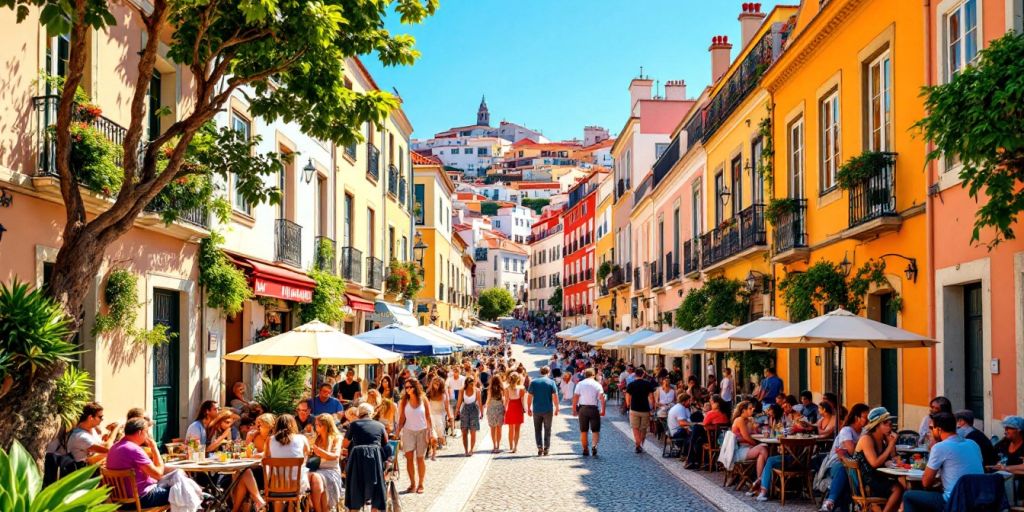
(802, 370)
(889, 380)
(165, 367)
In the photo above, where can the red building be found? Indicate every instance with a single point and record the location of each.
(578, 251)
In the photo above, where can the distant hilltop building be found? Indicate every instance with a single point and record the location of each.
(480, 149)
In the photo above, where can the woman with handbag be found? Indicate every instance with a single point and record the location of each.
(326, 456)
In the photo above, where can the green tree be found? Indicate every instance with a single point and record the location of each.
(495, 302)
(719, 300)
(289, 55)
(537, 204)
(977, 117)
(488, 208)
(555, 301)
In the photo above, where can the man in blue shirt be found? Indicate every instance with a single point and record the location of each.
(324, 403)
(771, 386)
(949, 459)
(542, 404)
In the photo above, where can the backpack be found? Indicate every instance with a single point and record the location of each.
(60, 463)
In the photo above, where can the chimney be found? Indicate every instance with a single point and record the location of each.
(720, 56)
(639, 89)
(675, 90)
(750, 20)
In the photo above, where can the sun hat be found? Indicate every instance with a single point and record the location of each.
(876, 416)
(1014, 422)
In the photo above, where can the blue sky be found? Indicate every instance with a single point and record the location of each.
(553, 65)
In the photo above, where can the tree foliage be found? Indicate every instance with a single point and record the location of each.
(495, 302)
(720, 300)
(978, 119)
(22, 489)
(328, 299)
(225, 285)
(488, 208)
(536, 204)
(555, 300)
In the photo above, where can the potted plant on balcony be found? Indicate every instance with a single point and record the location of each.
(397, 280)
(727, 223)
(778, 207)
(861, 168)
(604, 270)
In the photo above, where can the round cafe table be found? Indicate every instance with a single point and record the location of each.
(209, 467)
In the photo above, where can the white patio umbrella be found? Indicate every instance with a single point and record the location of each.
(483, 333)
(839, 329)
(691, 343)
(570, 330)
(312, 344)
(451, 337)
(614, 336)
(575, 336)
(738, 339)
(629, 339)
(591, 338)
(470, 336)
(640, 346)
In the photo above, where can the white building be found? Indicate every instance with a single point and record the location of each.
(545, 260)
(514, 222)
(473, 155)
(501, 263)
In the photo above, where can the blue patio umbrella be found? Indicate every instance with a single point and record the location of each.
(402, 339)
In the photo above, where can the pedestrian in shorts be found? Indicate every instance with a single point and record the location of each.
(588, 404)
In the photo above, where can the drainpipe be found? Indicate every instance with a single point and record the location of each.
(930, 204)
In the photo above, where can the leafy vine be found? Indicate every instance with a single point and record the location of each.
(823, 288)
(764, 129)
(328, 298)
(122, 311)
(226, 285)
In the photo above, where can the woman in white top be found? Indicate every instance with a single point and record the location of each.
(328, 447)
(287, 443)
(415, 429)
(666, 397)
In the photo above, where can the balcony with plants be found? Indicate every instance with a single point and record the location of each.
(788, 217)
(324, 259)
(735, 237)
(870, 181)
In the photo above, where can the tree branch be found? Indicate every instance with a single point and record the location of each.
(77, 54)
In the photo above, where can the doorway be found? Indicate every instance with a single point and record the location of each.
(974, 374)
(232, 342)
(888, 360)
(166, 311)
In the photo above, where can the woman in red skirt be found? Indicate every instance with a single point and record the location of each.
(515, 408)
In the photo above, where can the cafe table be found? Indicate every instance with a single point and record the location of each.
(914, 476)
(912, 449)
(207, 468)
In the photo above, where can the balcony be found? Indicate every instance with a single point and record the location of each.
(637, 281)
(198, 217)
(602, 290)
(352, 264)
(374, 273)
(393, 180)
(372, 162)
(589, 274)
(288, 242)
(671, 268)
(666, 161)
(615, 278)
(790, 235)
(691, 257)
(642, 189)
(326, 253)
(657, 277)
(734, 237)
(628, 273)
(402, 198)
(46, 116)
(741, 83)
(873, 203)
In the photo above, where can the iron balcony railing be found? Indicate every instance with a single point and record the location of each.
(199, 217)
(694, 128)
(791, 228)
(734, 235)
(637, 281)
(372, 162)
(657, 278)
(402, 198)
(642, 189)
(666, 161)
(393, 180)
(615, 277)
(326, 254)
(589, 274)
(603, 290)
(352, 264)
(671, 267)
(628, 274)
(46, 146)
(875, 197)
(741, 83)
(288, 242)
(374, 273)
(691, 256)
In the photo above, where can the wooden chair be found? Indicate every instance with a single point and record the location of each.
(743, 472)
(796, 463)
(123, 490)
(282, 483)
(711, 447)
(861, 500)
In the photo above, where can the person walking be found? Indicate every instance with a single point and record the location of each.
(415, 430)
(542, 405)
(469, 415)
(494, 406)
(514, 409)
(587, 397)
(640, 401)
(364, 444)
(728, 389)
(440, 409)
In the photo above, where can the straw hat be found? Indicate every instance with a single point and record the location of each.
(876, 416)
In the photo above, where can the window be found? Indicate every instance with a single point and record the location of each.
(829, 137)
(455, 151)
(370, 223)
(676, 254)
(736, 172)
(756, 180)
(155, 88)
(879, 113)
(659, 149)
(244, 126)
(719, 185)
(695, 210)
(497, 223)
(346, 234)
(796, 157)
(960, 34)
(418, 192)
(506, 263)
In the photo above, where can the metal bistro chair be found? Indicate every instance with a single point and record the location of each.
(796, 463)
(712, 446)
(282, 482)
(861, 499)
(123, 490)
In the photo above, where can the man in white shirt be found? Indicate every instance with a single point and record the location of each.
(455, 384)
(711, 368)
(727, 388)
(565, 386)
(679, 418)
(85, 441)
(585, 402)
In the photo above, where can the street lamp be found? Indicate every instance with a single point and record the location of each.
(724, 194)
(911, 271)
(308, 171)
(845, 266)
(755, 279)
(419, 249)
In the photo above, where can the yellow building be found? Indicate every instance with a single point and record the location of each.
(432, 205)
(374, 209)
(463, 302)
(849, 83)
(735, 238)
(604, 250)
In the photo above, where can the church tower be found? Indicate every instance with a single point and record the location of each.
(483, 117)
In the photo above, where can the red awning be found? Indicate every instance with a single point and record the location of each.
(358, 303)
(271, 280)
